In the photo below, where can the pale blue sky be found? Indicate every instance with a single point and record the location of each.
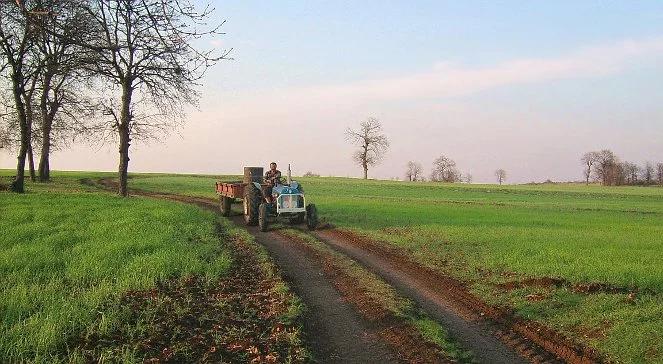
(523, 85)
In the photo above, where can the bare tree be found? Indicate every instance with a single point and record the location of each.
(659, 173)
(371, 142)
(18, 23)
(444, 170)
(606, 167)
(468, 178)
(588, 159)
(629, 173)
(62, 79)
(414, 171)
(148, 66)
(648, 173)
(500, 174)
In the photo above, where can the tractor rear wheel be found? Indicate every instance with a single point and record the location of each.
(262, 217)
(252, 198)
(311, 217)
(226, 202)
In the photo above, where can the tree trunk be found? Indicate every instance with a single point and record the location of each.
(124, 133)
(31, 163)
(124, 161)
(47, 124)
(18, 184)
(44, 163)
(365, 171)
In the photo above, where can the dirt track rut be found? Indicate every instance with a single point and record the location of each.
(335, 331)
(475, 335)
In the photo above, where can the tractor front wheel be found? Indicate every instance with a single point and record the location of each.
(311, 217)
(262, 217)
(298, 219)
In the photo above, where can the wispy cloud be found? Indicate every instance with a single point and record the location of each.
(446, 80)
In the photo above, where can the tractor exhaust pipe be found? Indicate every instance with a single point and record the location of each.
(289, 175)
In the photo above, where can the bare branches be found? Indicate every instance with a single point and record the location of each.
(148, 64)
(500, 175)
(444, 170)
(414, 171)
(371, 142)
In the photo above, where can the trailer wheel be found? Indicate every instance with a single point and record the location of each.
(252, 198)
(262, 217)
(311, 217)
(226, 202)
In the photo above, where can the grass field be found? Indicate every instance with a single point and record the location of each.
(488, 235)
(64, 256)
(88, 276)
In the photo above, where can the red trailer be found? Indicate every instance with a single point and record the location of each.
(245, 190)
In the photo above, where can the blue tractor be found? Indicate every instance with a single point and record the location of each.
(287, 201)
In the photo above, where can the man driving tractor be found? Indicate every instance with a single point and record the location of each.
(272, 178)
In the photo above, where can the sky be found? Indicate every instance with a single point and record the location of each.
(527, 86)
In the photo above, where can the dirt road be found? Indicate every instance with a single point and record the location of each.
(335, 331)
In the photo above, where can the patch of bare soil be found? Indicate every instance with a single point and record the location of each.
(405, 340)
(238, 318)
(553, 282)
(533, 340)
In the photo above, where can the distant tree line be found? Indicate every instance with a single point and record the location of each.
(606, 168)
(444, 170)
(105, 69)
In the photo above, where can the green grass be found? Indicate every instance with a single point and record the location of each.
(487, 234)
(581, 233)
(66, 258)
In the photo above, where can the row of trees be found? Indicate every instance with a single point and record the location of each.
(605, 167)
(444, 170)
(111, 69)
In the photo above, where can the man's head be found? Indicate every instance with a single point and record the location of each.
(272, 166)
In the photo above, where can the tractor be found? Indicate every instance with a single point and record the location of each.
(265, 204)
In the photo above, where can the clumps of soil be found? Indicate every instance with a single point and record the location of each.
(532, 339)
(404, 339)
(540, 282)
(241, 317)
(551, 282)
(596, 332)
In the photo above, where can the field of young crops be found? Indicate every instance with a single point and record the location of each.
(606, 239)
(582, 233)
(66, 259)
(594, 236)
